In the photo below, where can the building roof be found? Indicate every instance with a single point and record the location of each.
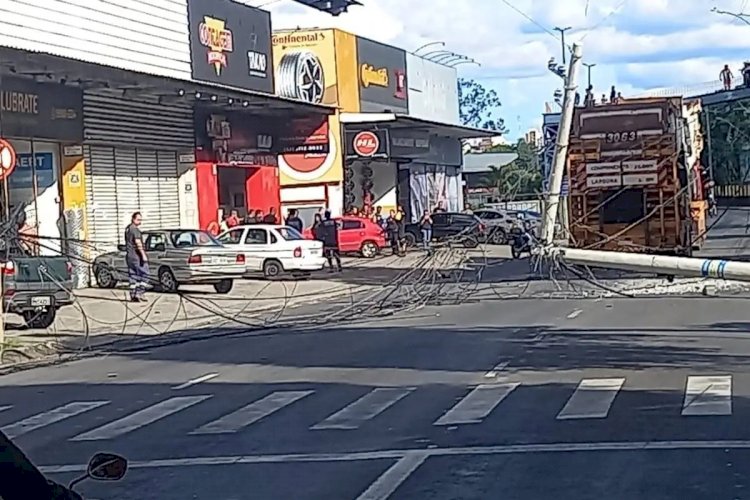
(477, 163)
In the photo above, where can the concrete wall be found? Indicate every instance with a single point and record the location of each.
(149, 36)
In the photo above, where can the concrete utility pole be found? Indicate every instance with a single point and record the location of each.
(659, 264)
(561, 148)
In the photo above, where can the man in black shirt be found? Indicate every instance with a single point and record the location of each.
(136, 259)
(330, 236)
(294, 221)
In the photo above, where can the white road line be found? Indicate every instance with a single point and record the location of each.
(50, 417)
(591, 399)
(365, 408)
(251, 413)
(477, 404)
(390, 480)
(518, 449)
(708, 396)
(140, 418)
(575, 314)
(195, 381)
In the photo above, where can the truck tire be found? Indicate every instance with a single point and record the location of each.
(40, 319)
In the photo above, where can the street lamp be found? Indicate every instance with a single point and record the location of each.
(562, 39)
(588, 67)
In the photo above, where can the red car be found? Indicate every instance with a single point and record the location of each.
(357, 235)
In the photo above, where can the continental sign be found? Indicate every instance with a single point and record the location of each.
(297, 38)
(218, 39)
(371, 76)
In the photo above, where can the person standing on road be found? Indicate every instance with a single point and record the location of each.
(401, 229)
(425, 225)
(294, 221)
(136, 259)
(330, 233)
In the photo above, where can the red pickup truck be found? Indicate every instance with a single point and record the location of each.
(357, 235)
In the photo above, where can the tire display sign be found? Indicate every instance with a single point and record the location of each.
(230, 44)
(7, 159)
(363, 144)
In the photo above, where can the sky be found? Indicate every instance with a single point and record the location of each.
(639, 46)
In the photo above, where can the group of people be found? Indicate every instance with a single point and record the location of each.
(589, 100)
(727, 77)
(233, 218)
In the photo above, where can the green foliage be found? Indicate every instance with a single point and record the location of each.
(522, 176)
(729, 141)
(479, 107)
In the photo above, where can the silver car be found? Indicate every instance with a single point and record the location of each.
(176, 257)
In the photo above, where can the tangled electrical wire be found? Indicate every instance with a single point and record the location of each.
(448, 274)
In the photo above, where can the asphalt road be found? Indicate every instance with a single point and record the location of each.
(524, 399)
(729, 237)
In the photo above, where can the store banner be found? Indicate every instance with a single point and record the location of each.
(382, 77)
(311, 151)
(40, 110)
(367, 144)
(230, 44)
(305, 136)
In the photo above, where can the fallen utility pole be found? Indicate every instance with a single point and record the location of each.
(659, 264)
(560, 157)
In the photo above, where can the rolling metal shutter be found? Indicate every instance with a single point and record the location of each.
(132, 150)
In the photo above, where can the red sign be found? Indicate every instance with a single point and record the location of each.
(366, 143)
(7, 159)
(307, 145)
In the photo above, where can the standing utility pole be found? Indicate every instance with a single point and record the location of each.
(589, 66)
(562, 39)
(561, 148)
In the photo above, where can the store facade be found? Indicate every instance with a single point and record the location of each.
(43, 123)
(319, 67)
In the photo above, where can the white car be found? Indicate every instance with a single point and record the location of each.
(273, 250)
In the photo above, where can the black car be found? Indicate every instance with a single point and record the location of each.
(467, 229)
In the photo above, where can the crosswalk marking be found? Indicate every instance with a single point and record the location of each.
(591, 399)
(140, 418)
(708, 396)
(365, 408)
(55, 415)
(251, 413)
(477, 404)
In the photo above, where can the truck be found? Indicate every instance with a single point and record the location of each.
(634, 177)
(35, 287)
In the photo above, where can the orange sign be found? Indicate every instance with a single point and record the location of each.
(366, 143)
(7, 159)
(218, 40)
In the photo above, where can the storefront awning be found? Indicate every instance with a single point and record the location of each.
(395, 121)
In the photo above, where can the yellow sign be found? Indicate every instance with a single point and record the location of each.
(218, 40)
(371, 76)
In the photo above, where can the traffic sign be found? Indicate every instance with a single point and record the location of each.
(7, 159)
(366, 143)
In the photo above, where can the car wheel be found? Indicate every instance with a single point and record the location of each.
(272, 269)
(470, 242)
(499, 237)
(40, 319)
(410, 240)
(167, 281)
(369, 250)
(224, 286)
(105, 277)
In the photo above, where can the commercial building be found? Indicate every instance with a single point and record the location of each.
(163, 107)
(396, 137)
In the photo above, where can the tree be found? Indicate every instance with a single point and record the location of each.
(521, 176)
(479, 107)
(729, 141)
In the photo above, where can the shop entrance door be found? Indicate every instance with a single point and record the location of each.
(232, 187)
(34, 186)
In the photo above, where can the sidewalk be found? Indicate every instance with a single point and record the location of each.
(101, 316)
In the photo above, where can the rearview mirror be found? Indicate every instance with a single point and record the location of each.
(107, 467)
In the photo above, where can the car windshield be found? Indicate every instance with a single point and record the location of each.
(290, 234)
(193, 239)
